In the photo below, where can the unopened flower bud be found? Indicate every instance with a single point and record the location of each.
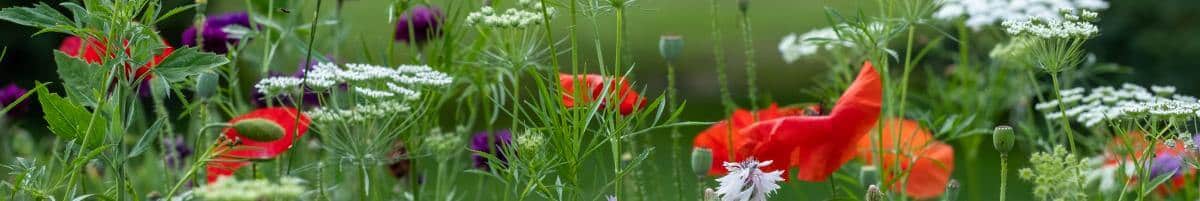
(951, 191)
(743, 5)
(1002, 138)
(710, 195)
(868, 175)
(259, 129)
(873, 194)
(670, 46)
(701, 160)
(207, 84)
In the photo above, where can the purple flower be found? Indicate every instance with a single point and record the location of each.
(424, 23)
(1166, 163)
(9, 94)
(177, 151)
(215, 37)
(479, 143)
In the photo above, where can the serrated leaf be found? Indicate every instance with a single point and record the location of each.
(70, 120)
(186, 62)
(40, 16)
(80, 78)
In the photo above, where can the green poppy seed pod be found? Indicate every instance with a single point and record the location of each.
(701, 160)
(259, 129)
(670, 46)
(873, 194)
(1002, 138)
(868, 175)
(207, 84)
(743, 5)
(951, 191)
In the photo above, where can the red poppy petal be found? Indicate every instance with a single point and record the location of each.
(251, 149)
(222, 168)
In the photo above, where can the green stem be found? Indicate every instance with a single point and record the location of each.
(751, 68)
(1062, 108)
(1003, 175)
(719, 57)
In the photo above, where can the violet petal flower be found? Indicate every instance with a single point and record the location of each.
(177, 152)
(9, 94)
(479, 143)
(215, 37)
(1166, 163)
(424, 23)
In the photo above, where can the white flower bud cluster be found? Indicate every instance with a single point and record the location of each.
(1072, 26)
(358, 113)
(983, 13)
(230, 189)
(324, 76)
(530, 141)
(443, 142)
(530, 14)
(1129, 102)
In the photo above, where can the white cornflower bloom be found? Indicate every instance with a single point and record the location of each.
(746, 182)
(983, 13)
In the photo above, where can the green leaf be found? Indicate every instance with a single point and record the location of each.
(40, 16)
(69, 120)
(147, 138)
(186, 62)
(80, 78)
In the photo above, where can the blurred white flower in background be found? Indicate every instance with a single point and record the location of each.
(983, 13)
(794, 47)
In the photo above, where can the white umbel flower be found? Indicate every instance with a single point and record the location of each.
(1130, 101)
(794, 47)
(983, 13)
(746, 182)
(530, 14)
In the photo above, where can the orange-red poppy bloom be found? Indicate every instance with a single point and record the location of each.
(249, 149)
(716, 138)
(73, 46)
(628, 99)
(818, 145)
(926, 162)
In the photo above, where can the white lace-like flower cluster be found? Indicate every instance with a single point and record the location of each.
(983, 13)
(794, 47)
(746, 182)
(1071, 26)
(358, 113)
(1129, 102)
(230, 189)
(392, 82)
(530, 14)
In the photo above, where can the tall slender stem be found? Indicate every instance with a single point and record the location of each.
(1066, 124)
(722, 80)
(751, 67)
(1003, 175)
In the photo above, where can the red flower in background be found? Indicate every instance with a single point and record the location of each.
(72, 46)
(249, 149)
(1167, 159)
(628, 99)
(905, 141)
(717, 137)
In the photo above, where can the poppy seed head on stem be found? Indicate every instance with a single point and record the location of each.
(873, 194)
(1002, 139)
(670, 46)
(701, 160)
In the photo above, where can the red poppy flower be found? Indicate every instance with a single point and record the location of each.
(927, 162)
(249, 149)
(717, 137)
(818, 145)
(72, 46)
(628, 98)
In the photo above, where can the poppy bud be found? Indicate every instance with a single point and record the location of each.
(670, 46)
(951, 191)
(868, 175)
(259, 129)
(1002, 138)
(873, 194)
(710, 195)
(701, 160)
(206, 84)
(743, 5)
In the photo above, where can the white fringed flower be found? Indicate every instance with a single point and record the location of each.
(746, 182)
(984, 13)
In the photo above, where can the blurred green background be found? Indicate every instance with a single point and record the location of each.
(1160, 40)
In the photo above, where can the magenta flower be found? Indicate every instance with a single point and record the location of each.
(214, 34)
(418, 25)
(9, 94)
(479, 143)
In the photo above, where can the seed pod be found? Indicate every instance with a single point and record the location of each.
(701, 160)
(670, 46)
(259, 129)
(1002, 138)
(868, 175)
(207, 84)
(873, 194)
(951, 191)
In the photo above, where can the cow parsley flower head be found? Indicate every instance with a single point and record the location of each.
(794, 47)
(1129, 101)
(382, 91)
(1057, 44)
(229, 189)
(983, 13)
(528, 14)
(746, 182)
